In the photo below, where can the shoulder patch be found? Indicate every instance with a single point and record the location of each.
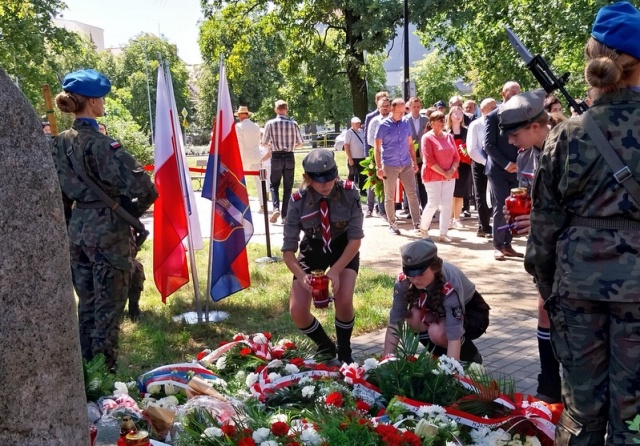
(297, 195)
(447, 289)
(348, 184)
(457, 313)
(115, 145)
(401, 277)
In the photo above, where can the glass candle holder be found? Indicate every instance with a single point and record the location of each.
(518, 203)
(320, 289)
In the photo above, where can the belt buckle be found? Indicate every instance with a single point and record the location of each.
(623, 174)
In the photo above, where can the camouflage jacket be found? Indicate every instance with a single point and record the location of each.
(116, 172)
(573, 180)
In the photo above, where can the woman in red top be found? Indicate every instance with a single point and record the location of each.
(439, 171)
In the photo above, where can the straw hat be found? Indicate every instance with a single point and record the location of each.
(242, 109)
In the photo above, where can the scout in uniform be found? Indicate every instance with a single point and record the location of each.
(327, 210)
(584, 244)
(439, 302)
(101, 257)
(525, 121)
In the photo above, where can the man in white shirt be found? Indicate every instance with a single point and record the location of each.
(249, 141)
(354, 148)
(475, 146)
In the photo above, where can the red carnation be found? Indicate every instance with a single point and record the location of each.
(239, 337)
(245, 351)
(279, 428)
(246, 441)
(221, 343)
(411, 358)
(362, 406)
(297, 362)
(201, 355)
(260, 368)
(411, 439)
(290, 345)
(229, 430)
(267, 335)
(277, 354)
(334, 399)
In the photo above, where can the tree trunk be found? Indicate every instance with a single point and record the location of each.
(355, 62)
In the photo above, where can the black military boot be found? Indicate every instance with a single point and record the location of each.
(134, 307)
(469, 352)
(343, 335)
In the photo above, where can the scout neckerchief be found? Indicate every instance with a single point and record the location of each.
(326, 224)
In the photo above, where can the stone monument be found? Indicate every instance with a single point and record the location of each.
(42, 400)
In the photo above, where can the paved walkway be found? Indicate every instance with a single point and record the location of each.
(509, 347)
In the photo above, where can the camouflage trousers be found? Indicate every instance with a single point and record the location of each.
(598, 345)
(102, 293)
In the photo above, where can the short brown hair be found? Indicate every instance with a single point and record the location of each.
(381, 94)
(436, 116)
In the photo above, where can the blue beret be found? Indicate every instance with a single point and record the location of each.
(617, 27)
(89, 83)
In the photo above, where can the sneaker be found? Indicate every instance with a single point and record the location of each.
(274, 216)
(393, 229)
(369, 214)
(417, 231)
(456, 224)
(444, 239)
(466, 214)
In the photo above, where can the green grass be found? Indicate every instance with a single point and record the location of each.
(157, 340)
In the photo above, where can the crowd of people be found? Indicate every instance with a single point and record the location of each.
(582, 250)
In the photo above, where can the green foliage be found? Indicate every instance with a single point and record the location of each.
(98, 382)
(369, 169)
(139, 62)
(123, 128)
(634, 425)
(435, 80)
(28, 38)
(471, 36)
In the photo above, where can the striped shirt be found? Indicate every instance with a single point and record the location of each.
(283, 134)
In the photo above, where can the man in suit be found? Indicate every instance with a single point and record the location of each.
(418, 123)
(501, 170)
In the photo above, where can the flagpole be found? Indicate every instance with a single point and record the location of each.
(217, 125)
(184, 190)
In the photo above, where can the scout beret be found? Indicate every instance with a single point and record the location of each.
(320, 165)
(521, 110)
(418, 256)
(439, 104)
(617, 27)
(89, 83)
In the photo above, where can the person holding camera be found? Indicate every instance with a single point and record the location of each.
(95, 171)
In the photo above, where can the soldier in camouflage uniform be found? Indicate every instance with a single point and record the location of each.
(328, 211)
(101, 257)
(584, 246)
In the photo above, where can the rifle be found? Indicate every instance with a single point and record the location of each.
(543, 74)
(48, 103)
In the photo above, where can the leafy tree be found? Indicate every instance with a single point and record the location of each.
(471, 36)
(121, 126)
(434, 79)
(27, 38)
(318, 43)
(139, 57)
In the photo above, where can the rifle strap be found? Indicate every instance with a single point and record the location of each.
(109, 202)
(621, 172)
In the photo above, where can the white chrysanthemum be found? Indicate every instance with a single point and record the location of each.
(241, 375)
(309, 436)
(276, 363)
(171, 389)
(269, 443)
(424, 429)
(308, 391)
(370, 364)
(273, 376)
(291, 369)
(212, 432)
(260, 434)
(252, 378)
(304, 381)
(221, 363)
(260, 339)
(120, 389)
(168, 401)
(278, 417)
